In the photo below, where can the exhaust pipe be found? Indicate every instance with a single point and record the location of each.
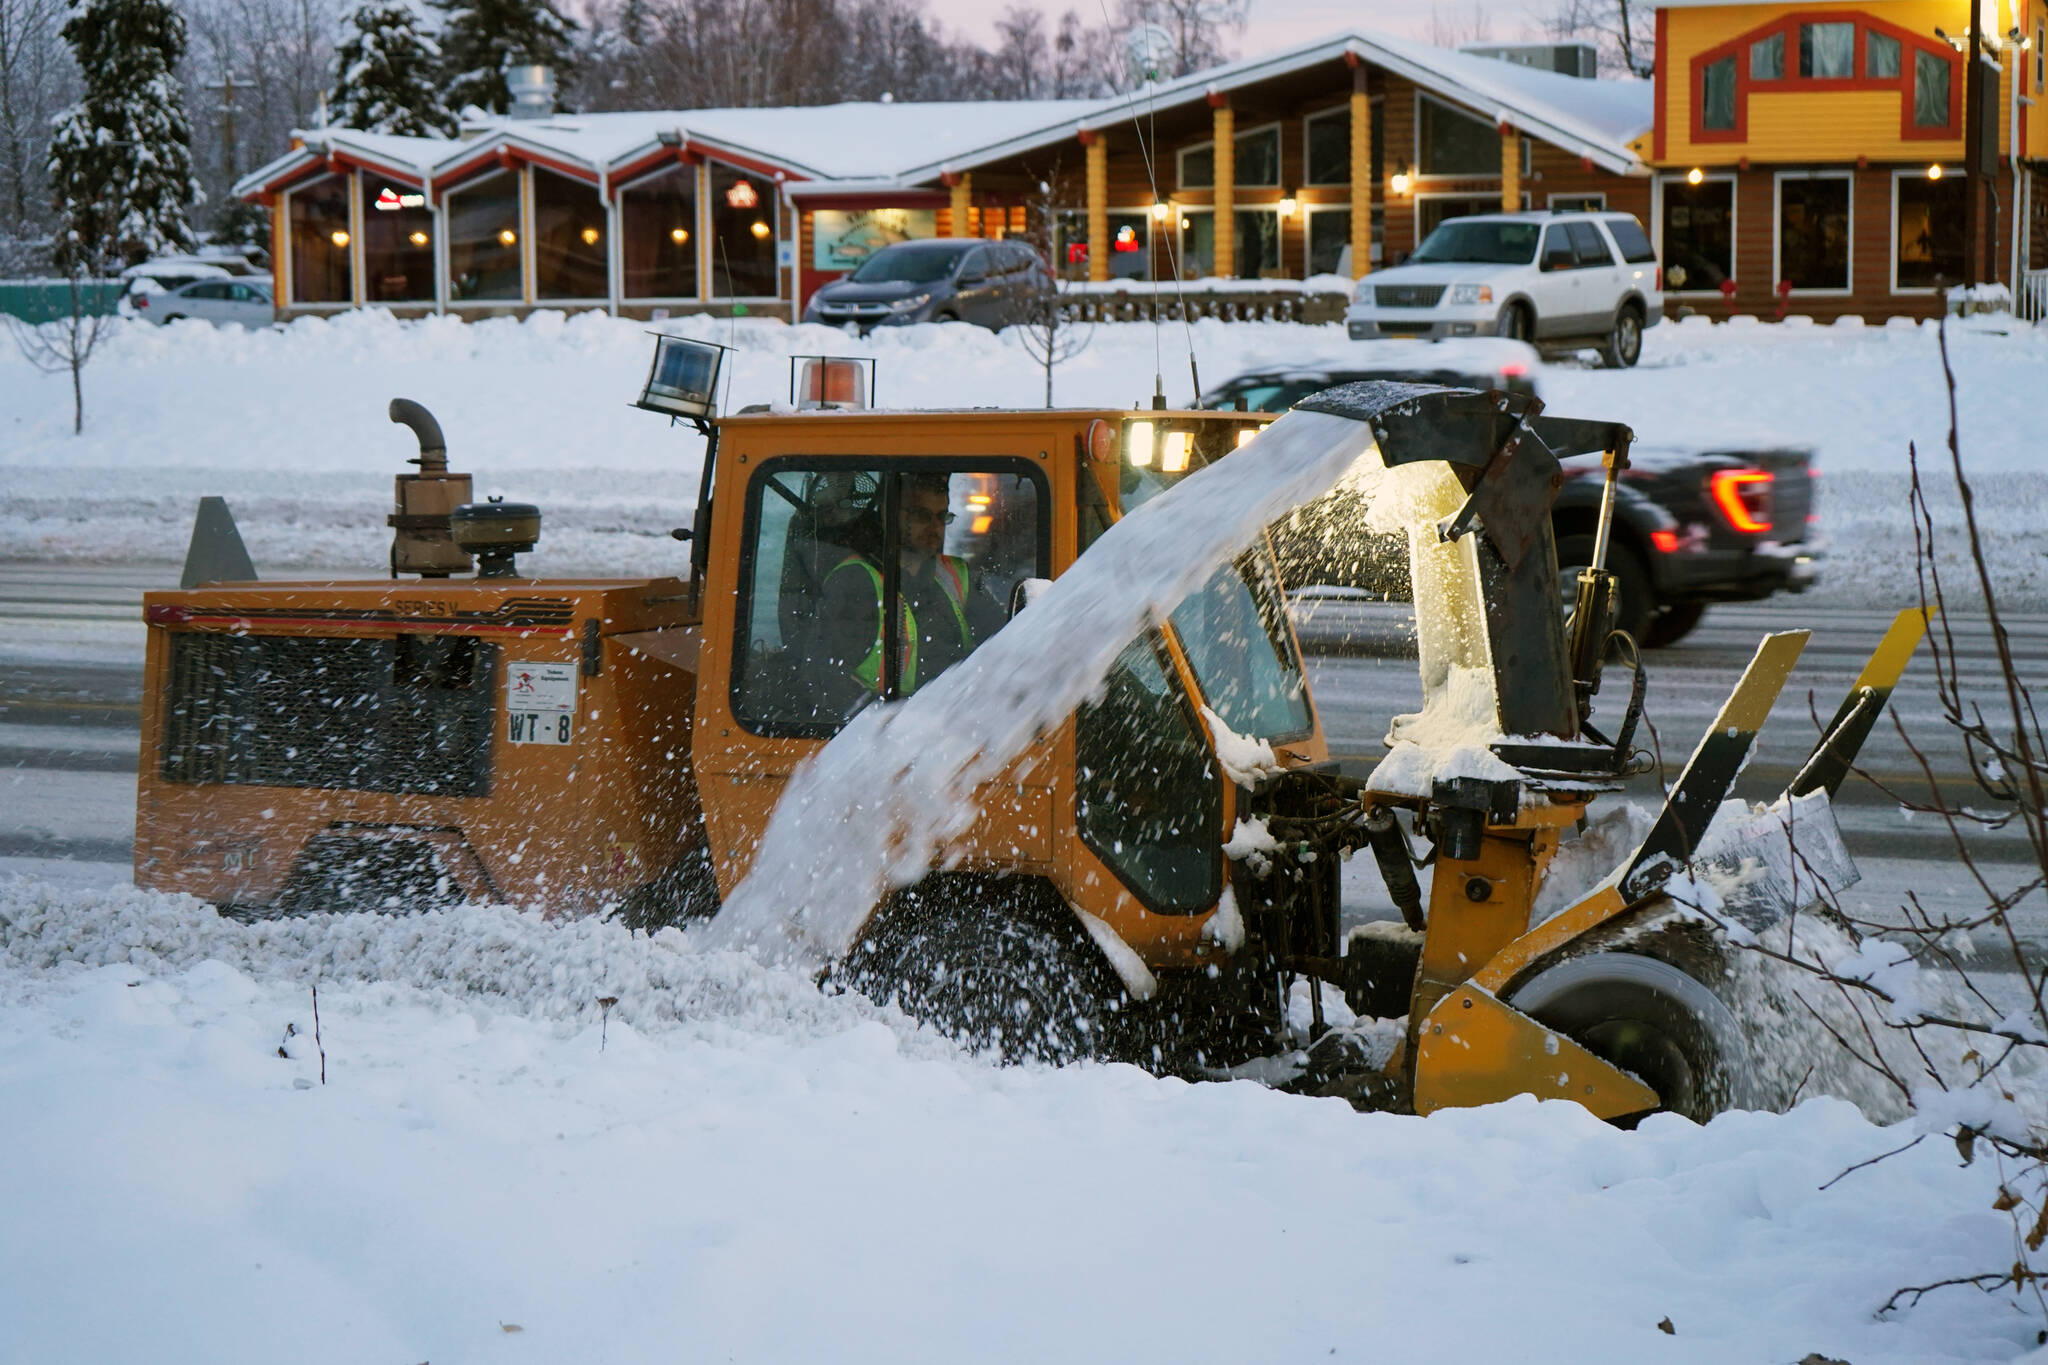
(422, 502)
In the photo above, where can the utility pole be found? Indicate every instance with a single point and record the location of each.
(225, 88)
(1973, 135)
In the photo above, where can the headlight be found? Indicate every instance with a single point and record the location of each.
(1470, 293)
(914, 301)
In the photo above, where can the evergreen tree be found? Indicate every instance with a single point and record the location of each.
(388, 74)
(121, 158)
(482, 39)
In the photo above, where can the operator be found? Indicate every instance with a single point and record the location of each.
(945, 611)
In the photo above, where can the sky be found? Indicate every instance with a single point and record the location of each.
(1277, 23)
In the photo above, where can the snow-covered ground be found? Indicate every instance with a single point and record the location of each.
(726, 1163)
(291, 426)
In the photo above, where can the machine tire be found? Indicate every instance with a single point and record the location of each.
(1653, 1020)
(1517, 322)
(998, 963)
(1624, 344)
(945, 315)
(1638, 595)
(1674, 623)
(170, 318)
(687, 889)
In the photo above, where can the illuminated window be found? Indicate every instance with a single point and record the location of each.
(483, 241)
(658, 230)
(317, 215)
(1929, 213)
(742, 260)
(569, 251)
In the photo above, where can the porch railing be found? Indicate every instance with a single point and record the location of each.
(2032, 303)
(1229, 300)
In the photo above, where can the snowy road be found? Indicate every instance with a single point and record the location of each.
(70, 688)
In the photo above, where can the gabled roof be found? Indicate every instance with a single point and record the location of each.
(877, 147)
(1593, 119)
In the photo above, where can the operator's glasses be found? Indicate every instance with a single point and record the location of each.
(928, 516)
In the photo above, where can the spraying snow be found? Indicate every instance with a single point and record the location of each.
(874, 809)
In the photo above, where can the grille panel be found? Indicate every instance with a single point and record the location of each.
(410, 715)
(1407, 295)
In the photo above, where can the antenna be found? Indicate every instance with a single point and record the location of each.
(732, 319)
(1150, 36)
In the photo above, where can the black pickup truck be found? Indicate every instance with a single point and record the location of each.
(1691, 527)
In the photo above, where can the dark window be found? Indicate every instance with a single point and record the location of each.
(1237, 642)
(1589, 245)
(659, 220)
(1198, 168)
(1258, 158)
(1717, 95)
(1148, 799)
(1827, 51)
(1930, 245)
(976, 265)
(1880, 55)
(1329, 148)
(1457, 144)
(1557, 242)
(205, 291)
(1767, 58)
(1633, 241)
(1699, 234)
(483, 241)
(1930, 90)
(411, 714)
(1577, 203)
(742, 235)
(569, 251)
(1329, 236)
(1256, 246)
(318, 219)
(810, 620)
(1813, 232)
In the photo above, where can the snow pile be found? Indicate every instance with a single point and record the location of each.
(1246, 760)
(875, 807)
(1447, 739)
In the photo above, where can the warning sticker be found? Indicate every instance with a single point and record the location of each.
(540, 702)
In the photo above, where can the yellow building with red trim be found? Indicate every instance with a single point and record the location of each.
(1809, 156)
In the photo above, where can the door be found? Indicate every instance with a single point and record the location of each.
(977, 289)
(1598, 275)
(1557, 284)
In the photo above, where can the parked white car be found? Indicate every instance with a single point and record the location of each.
(223, 302)
(1559, 280)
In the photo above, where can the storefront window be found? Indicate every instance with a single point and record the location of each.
(1813, 231)
(1930, 218)
(483, 241)
(1257, 248)
(318, 214)
(658, 218)
(1257, 161)
(568, 239)
(398, 243)
(743, 209)
(1457, 144)
(1699, 235)
(1329, 236)
(1329, 148)
(1130, 245)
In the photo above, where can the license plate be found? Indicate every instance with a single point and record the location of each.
(540, 703)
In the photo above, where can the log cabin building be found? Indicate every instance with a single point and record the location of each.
(1789, 157)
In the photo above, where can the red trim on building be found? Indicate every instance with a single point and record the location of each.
(1660, 74)
(893, 199)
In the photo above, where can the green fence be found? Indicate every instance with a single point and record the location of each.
(48, 300)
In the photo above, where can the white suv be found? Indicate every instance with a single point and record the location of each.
(1555, 279)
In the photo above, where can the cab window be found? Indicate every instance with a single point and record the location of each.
(1147, 796)
(837, 549)
(1242, 653)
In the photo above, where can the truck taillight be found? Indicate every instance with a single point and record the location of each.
(1660, 279)
(1665, 541)
(165, 614)
(1744, 497)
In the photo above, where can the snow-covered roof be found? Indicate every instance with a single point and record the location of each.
(876, 147)
(1591, 118)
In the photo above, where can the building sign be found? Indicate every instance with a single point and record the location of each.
(390, 200)
(842, 238)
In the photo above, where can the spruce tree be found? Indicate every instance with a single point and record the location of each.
(482, 39)
(388, 74)
(121, 158)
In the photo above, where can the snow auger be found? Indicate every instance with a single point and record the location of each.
(618, 746)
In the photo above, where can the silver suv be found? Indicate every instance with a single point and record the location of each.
(1559, 280)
